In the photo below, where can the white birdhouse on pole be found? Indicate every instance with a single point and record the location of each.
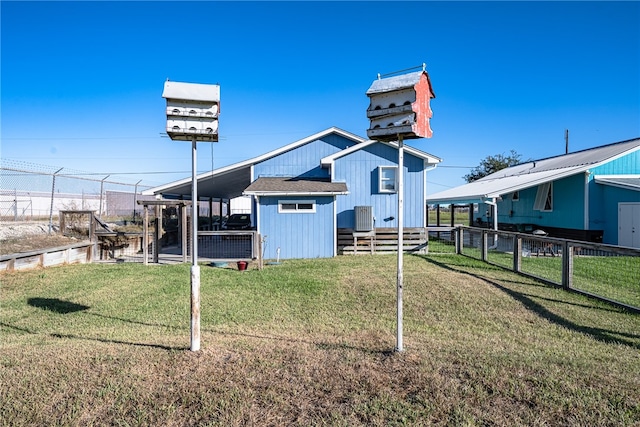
(192, 111)
(192, 115)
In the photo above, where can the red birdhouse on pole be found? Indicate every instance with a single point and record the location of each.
(399, 105)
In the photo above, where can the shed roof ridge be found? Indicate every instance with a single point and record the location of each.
(599, 147)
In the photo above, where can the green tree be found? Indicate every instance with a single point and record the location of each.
(491, 164)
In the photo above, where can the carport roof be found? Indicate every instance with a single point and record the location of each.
(629, 182)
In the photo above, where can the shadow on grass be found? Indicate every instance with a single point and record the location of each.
(106, 341)
(56, 305)
(59, 306)
(607, 336)
(102, 340)
(319, 345)
(136, 322)
(64, 307)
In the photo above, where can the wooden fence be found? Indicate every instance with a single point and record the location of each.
(77, 253)
(606, 272)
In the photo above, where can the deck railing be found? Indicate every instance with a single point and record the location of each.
(381, 240)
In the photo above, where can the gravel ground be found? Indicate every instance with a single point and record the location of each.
(14, 230)
(20, 237)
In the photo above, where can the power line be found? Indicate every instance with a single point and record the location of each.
(57, 138)
(125, 173)
(441, 185)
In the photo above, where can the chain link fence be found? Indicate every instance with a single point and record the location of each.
(32, 192)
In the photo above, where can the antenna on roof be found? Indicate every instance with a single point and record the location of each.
(566, 141)
(423, 67)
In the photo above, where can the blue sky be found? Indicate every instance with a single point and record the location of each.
(81, 82)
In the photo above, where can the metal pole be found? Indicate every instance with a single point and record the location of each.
(195, 268)
(53, 189)
(15, 204)
(399, 345)
(101, 192)
(135, 197)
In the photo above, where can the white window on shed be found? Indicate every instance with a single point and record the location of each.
(387, 179)
(544, 197)
(296, 206)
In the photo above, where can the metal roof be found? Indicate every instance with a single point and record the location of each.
(281, 186)
(533, 173)
(396, 83)
(629, 182)
(429, 158)
(230, 181)
(191, 91)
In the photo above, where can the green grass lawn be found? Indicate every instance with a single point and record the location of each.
(310, 342)
(460, 218)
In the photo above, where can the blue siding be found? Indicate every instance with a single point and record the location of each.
(298, 235)
(604, 199)
(603, 204)
(303, 161)
(568, 206)
(515, 211)
(360, 171)
(569, 201)
(629, 164)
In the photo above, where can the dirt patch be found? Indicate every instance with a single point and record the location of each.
(21, 237)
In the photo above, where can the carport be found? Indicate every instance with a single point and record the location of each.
(221, 184)
(217, 186)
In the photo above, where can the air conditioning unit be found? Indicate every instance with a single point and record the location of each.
(363, 218)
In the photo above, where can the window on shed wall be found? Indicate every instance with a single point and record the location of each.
(544, 198)
(296, 206)
(387, 179)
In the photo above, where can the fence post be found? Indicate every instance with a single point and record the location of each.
(567, 265)
(459, 233)
(145, 236)
(15, 204)
(156, 234)
(483, 249)
(517, 253)
(101, 194)
(183, 231)
(53, 190)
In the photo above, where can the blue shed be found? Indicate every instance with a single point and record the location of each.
(304, 192)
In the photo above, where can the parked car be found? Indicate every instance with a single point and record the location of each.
(237, 222)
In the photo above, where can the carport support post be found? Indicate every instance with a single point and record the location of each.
(183, 231)
(399, 346)
(145, 235)
(195, 268)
